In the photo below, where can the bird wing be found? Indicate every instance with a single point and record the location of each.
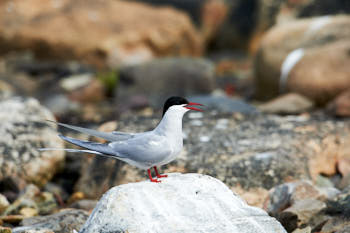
(113, 136)
(148, 149)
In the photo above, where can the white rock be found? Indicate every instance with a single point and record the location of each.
(181, 203)
(4, 203)
(23, 130)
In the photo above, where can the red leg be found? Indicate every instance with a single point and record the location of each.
(150, 177)
(157, 174)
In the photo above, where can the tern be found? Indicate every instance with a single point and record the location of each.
(143, 150)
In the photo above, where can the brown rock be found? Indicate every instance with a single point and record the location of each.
(103, 33)
(305, 190)
(214, 13)
(5, 229)
(300, 213)
(343, 164)
(329, 155)
(310, 75)
(341, 104)
(12, 219)
(291, 103)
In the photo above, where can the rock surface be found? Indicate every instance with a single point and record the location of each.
(181, 203)
(292, 58)
(112, 34)
(304, 207)
(64, 221)
(23, 131)
(248, 151)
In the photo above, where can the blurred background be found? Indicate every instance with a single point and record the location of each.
(274, 76)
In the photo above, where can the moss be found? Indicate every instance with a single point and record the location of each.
(110, 80)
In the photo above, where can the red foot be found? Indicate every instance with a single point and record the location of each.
(150, 177)
(155, 181)
(157, 174)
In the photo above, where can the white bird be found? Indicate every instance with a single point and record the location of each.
(143, 150)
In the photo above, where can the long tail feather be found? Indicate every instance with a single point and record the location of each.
(94, 146)
(71, 150)
(95, 133)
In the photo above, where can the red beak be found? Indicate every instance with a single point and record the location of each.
(188, 106)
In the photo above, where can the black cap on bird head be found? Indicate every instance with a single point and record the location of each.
(177, 100)
(174, 100)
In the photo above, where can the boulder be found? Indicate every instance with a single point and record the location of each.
(290, 103)
(290, 10)
(155, 81)
(244, 151)
(307, 56)
(340, 106)
(208, 15)
(300, 213)
(23, 131)
(285, 195)
(66, 220)
(181, 203)
(103, 34)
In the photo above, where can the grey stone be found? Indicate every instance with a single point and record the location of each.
(336, 225)
(159, 79)
(64, 221)
(23, 131)
(181, 203)
(340, 205)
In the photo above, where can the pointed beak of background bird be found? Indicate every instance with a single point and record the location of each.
(189, 106)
